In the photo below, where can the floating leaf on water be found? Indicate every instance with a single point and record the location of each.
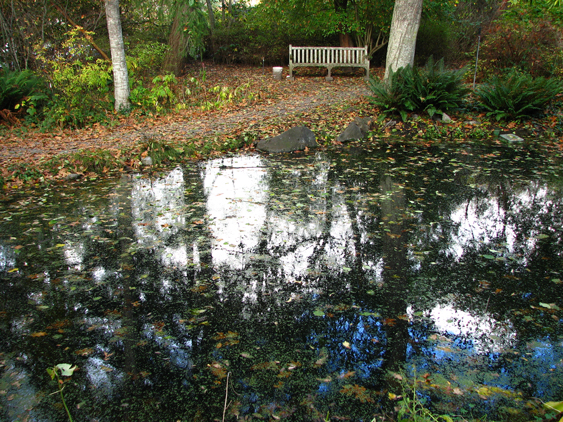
(318, 312)
(66, 369)
(365, 313)
(541, 236)
(346, 344)
(550, 306)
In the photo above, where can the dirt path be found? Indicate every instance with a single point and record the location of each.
(283, 98)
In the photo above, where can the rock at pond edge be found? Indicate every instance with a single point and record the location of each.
(295, 139)
(356, 130)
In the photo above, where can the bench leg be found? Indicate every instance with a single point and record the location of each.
(328, 77)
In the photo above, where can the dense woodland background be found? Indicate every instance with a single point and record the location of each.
(57, 52)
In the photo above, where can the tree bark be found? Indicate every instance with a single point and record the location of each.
(211, 16)
(120, 76)
(402, 38)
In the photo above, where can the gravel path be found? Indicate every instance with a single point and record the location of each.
(294, 97)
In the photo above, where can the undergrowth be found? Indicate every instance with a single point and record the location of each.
(432, 89)
(517, 95)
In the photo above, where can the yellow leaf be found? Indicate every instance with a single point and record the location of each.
(554, 405)
(346, 344)
(13, 270)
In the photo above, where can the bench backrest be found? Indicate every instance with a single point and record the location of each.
(328, 55)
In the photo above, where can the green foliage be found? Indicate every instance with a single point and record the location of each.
(517, 95)
(411, 408)
(433, 40)
(432, 89)
(160, 97)
(160, 151)
(22, 91)
(81, 87)
(145, 59)
(99, 161)
(24, 172)
(225, 95)
(526, 37)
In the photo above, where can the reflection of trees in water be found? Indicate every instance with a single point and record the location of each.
(315, 239)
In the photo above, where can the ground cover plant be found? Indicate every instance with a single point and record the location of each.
(517, 95)
(432, 89)
(21, 94)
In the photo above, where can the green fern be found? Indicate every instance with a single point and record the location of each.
(432, 89)
(16, 87)
(517, 95)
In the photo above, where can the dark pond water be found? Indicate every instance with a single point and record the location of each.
(310, 283)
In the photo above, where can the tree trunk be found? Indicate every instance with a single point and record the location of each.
(211, 16)
(120, 76)
(402, 38)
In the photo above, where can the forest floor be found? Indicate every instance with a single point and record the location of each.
(260, 107)
(272, 100)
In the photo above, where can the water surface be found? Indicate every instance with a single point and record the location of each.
(312, 284)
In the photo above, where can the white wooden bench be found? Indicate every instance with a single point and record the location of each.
(328, 57)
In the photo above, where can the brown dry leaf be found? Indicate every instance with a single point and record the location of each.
(39, 334)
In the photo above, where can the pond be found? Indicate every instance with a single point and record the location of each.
(306, 287)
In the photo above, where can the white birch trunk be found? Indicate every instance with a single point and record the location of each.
(120, 76)
(402, 38)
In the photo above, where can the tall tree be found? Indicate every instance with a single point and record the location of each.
(402, 38)
(120, 76)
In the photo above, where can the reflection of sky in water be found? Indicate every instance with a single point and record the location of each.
(237, 191)
(252, 230)
(103, 376)
(488, 219)
(486, 334)
(158, 208)
(7, 258)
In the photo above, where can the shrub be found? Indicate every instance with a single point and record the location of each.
(433, 40)
(159, 98)
(526, 37)
(432, 89)
(146, 59)
(517, 95)
(21, 90)
(160, 151)
(81, 87)
(81, 94)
